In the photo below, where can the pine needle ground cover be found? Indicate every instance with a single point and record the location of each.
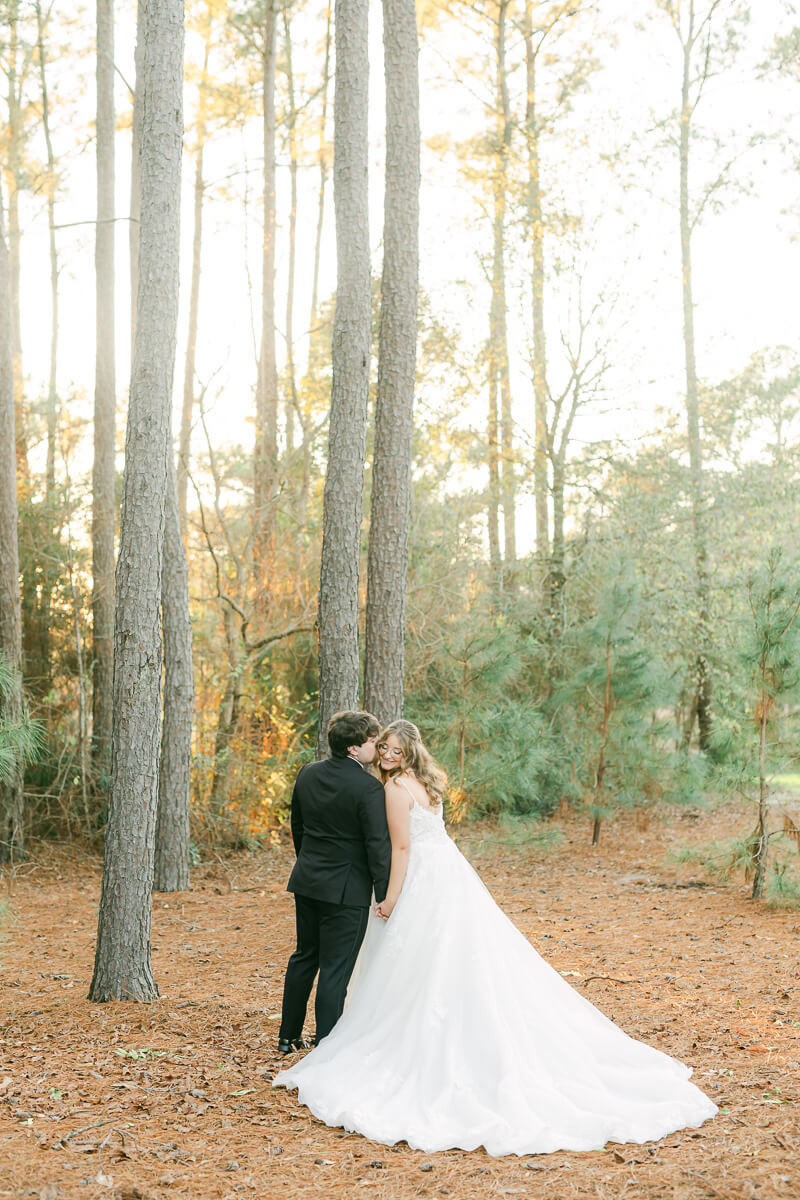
(173, 1099)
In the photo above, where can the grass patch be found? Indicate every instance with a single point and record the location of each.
(6, 919)
(783, 886)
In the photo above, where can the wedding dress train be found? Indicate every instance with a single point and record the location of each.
(457, 1034)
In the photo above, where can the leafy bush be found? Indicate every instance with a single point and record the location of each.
(731, 857)
(476, 710)
(783, 885)
(611, 707)
(20, 738)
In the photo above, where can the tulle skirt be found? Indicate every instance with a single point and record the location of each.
(457, 1033)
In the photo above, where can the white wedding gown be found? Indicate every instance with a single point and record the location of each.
(457, 1034)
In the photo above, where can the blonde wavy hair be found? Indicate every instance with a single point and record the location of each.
(416, 758)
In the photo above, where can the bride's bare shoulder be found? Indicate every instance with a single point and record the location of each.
(410, 786)
(397, 793)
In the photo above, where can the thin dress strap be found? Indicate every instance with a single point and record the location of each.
(402, 782)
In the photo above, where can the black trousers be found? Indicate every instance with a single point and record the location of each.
(329, 937)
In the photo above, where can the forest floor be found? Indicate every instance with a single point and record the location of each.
(173, 1099)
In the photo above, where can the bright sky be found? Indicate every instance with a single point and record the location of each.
(747, 257)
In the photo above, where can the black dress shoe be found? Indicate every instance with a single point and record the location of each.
(288, 1045)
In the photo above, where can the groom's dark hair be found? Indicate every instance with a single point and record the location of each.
(350, 729)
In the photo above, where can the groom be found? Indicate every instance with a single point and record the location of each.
(343, 853)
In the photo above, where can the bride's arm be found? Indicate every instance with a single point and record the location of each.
(398, 820)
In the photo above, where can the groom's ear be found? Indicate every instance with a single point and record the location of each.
(357, 748)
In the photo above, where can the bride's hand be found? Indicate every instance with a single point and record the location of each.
(384, 910)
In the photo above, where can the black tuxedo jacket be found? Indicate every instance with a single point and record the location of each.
(340, 834)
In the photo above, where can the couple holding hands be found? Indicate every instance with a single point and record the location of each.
(437, 1023)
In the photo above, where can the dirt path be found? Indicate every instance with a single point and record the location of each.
(173, 1100)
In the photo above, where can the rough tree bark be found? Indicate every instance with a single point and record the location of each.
(136, 185)
(171, 869)
(387, 566)
(344, 480)
(265, 466)
(13, 169)
(171, 864)
(103, 472)
(122, 962)
(12, 844)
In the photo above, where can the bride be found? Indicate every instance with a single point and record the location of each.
(456, 1033)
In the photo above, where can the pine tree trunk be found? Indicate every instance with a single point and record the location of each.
(52, 395)
(761, 836)
(265, 466)
(103, 471)
(493, 462)
(83, 724)
(394, 424)
(171, 873)
(508, 481)
(12, 839)
(291, 124)
(557, 577)
(122, 962)
(600, 772)
(48, 570)
(136, 184)
(344, 481)
(501, 486)
(228, 720)
(315, 339)
(702, 663)
(187, 409)
(500, 332)
(323, 179)
(536, 228)
(15, 177)
(14, 172)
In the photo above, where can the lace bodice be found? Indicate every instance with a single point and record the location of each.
(427, 824)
